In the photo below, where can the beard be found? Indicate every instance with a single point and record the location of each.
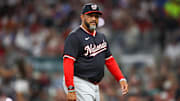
(90, 27)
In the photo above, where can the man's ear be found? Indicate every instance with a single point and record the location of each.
(82, 17)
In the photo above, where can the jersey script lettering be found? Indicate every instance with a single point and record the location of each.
(93, 50)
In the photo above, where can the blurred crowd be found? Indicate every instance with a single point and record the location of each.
(144, 36)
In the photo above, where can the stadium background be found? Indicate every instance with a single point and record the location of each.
(144, 36)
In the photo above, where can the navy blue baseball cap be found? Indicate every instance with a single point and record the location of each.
(91, 8)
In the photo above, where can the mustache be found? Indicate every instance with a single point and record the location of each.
(93, 22)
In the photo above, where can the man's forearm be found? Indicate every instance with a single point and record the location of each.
(114, 69)
(68, 65)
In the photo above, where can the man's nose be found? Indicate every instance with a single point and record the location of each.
(94, 17)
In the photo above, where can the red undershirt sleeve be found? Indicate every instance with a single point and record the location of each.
(68, 65)
(114, 68)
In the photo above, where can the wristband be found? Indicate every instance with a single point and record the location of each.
(71, 89)
(122, 80)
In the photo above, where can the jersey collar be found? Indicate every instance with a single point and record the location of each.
(91, 33)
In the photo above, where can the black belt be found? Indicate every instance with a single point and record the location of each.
(92, 81)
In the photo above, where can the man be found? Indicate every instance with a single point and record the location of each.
(85, 53)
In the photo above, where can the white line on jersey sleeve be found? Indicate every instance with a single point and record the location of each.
(109, 57)
(67, 56)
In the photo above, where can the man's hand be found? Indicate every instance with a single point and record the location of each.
(124, 87)
(71, 96)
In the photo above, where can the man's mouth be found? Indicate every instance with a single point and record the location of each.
(94, 23)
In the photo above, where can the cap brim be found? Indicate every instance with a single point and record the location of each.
(97, 12)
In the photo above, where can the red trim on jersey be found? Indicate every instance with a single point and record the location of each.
(68, 56)
(114, 68)
(93, 34)
(68, 65)
(93, 12)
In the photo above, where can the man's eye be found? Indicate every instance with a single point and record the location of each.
(96, 16)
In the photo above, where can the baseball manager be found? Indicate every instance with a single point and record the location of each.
(85, 53)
